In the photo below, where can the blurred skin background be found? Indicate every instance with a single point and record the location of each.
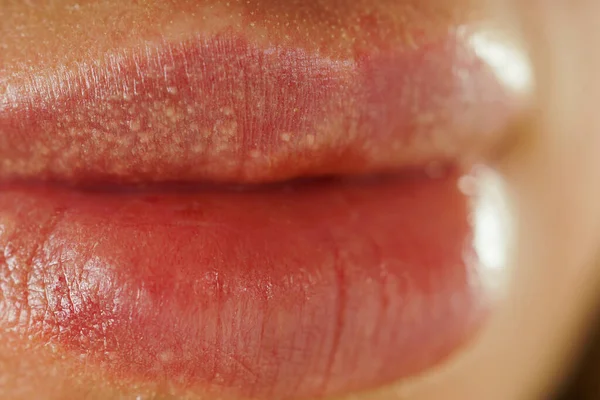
(551, 166)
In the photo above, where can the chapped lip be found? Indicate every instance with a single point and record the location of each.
(278, 292)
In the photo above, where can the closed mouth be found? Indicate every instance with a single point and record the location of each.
(258, 217)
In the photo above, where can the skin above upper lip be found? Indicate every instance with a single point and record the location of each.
(280, 291)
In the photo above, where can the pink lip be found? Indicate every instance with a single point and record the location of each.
(279, 293)
(287, 291)
(224, 109)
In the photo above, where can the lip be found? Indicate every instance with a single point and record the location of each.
(272, 291)
(224, 109)
(284, 292)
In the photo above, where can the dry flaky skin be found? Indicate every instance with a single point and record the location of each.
(240, 91)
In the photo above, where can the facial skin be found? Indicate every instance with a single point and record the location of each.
(547, 162)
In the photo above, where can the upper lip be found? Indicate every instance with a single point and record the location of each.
(225, 109)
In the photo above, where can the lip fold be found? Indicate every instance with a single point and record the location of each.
(224, 109)
(286, 292)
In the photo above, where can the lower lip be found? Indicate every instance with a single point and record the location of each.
(283, 292)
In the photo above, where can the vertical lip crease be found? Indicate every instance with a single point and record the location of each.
(282, 294)
(223, 109)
